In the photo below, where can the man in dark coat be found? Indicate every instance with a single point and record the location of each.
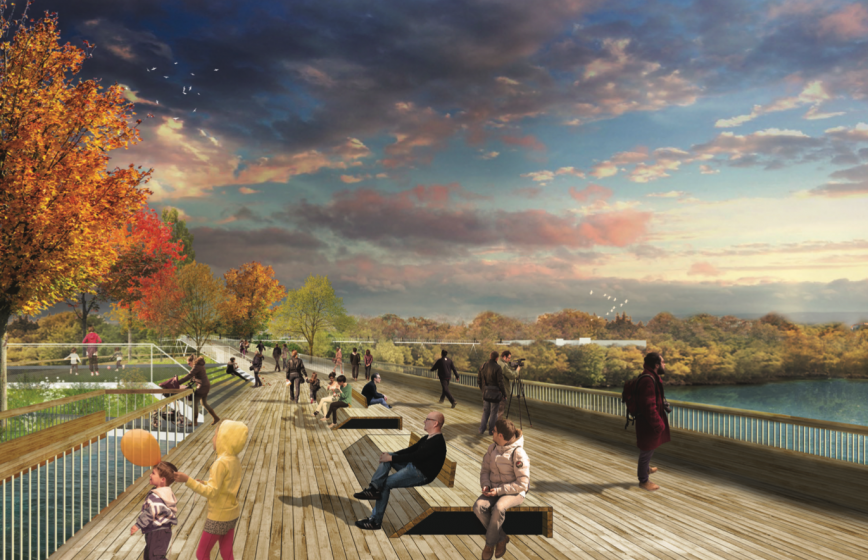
(257, 366)
(355, 360)
(445, 369)
(652, 421)
(276, 355)
(490, 381)
(294, 372)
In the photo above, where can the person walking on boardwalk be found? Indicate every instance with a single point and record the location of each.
(91, 349)
(242, 348)
(369, 361)
(284, 354)
(339, 361)
(275, 354)
(652, 422)
(221, 490)
(445, 369)
(203, 387)
(490, 381)
(417, 465)
(355, 361)
(294, 372)
(257, 366)
(505, 479)
(260, 347)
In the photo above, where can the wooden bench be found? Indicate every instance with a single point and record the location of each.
(436, 508)
(376, 417)
(359, 398)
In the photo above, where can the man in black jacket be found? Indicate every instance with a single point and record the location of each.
(369, 391)
(445, 369)
(294, 371)
(355, 360)
(417, 465)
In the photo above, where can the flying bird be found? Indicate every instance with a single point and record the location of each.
(216, 69)
(154, 68)
(194, 110)
(592, 292)
(176, 63)
(166, 77)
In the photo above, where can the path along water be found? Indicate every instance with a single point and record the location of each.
(834, 400)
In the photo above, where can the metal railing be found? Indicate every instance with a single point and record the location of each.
(832, 440)
(21, 422)
(49, 493)
(51, 352)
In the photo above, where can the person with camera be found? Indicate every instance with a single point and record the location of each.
(652, 421)
(490, 380)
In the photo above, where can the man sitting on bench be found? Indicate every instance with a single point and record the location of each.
(417, 465)
(369, 391)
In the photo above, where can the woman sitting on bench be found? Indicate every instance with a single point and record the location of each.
(505, 478)
(334, 393)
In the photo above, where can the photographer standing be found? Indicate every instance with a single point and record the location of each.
(652, 422)
(494, 393)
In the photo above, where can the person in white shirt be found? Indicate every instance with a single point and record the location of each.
(74, 360)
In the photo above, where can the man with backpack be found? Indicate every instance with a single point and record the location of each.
(647, 404)
(490, 380)
(294, 372)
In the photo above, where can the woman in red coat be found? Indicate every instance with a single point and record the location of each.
(652, 422)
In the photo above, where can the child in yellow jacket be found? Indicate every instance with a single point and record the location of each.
(221, 490)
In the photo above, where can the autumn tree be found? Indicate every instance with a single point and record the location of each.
(202, 297)
(61, 206)
(160, 298)
(569, 324)
(312, 309)
(254, 291)
(180, 234)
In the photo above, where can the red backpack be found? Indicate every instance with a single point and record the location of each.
(628, 397)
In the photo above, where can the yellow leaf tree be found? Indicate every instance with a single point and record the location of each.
(201, 300)
(254, 293)
(61, 206)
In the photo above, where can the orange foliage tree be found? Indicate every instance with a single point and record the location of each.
(61, 207)
(159, 301)
(254, 293)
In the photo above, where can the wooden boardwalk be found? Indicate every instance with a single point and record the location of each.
(297, 497)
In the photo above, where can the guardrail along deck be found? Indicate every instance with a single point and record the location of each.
(297, 496)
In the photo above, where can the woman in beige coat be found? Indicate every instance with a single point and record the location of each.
(505, 478)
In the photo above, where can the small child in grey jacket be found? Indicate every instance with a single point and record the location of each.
(159, 512)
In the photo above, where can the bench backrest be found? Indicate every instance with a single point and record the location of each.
(447, 473)
(359, 398)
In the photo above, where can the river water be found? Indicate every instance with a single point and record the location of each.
(835, 400)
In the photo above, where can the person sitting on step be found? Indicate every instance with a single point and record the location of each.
(369, 391)
(417, 465)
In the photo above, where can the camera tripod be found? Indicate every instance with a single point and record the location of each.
(517, 391)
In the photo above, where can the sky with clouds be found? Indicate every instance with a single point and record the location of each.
(442, 158)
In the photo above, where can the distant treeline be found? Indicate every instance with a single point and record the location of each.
(703, 349)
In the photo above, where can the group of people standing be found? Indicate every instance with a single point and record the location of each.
(355, 362)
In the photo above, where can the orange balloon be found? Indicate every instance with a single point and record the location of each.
(140, 448)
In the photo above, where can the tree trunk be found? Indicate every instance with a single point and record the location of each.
(4, 322)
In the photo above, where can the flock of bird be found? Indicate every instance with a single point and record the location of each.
(185, 89)
(614, 299)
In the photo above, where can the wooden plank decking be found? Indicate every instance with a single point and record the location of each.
(297, 497)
